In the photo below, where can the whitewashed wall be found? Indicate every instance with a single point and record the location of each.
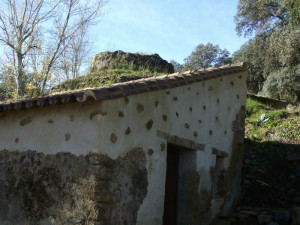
(202, 112)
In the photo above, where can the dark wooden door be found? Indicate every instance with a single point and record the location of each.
(171, 188)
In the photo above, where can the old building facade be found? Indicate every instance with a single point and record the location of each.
(161, 150)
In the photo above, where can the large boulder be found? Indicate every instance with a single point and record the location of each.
(125, 60)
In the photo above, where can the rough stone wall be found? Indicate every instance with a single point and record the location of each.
(62, 188)
(126, 60)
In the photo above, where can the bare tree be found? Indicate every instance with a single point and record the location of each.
(44, 26)
(75, 56)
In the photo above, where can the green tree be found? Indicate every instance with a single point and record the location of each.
(251, 52)
(283, 84)
(277, 21)
(205, 56)
(274, 47)
(266, 16)
(177, 66)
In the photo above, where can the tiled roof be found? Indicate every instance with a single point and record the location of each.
(126, 88)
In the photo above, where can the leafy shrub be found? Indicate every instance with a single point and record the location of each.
(278, 114)
(283, 84)
(254, 107)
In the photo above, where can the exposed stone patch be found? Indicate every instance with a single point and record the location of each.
(230, 179)
(140, 108)
(98, 112)
(120, 114)
(150, 151)
(195, 204)
(67, 136)
(65, 189)
(26, 121)
(50, 121)
(35, 186)
(149, 124)
(165, 117)
(113, 138)
(127, 131)
(129, 180)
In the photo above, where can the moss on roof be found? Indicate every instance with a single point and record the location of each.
(102, 79)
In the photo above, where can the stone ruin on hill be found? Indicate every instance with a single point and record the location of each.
(132, 61)
(114, 67)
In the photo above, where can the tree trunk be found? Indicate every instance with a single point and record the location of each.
(20, 74)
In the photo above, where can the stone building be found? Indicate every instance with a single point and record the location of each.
(160, 150)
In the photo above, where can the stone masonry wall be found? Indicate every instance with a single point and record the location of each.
(62, 188)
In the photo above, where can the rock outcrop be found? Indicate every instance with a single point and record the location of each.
(113, 67)
(126, 60)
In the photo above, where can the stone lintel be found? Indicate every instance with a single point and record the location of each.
(173, 139)
(219, 153)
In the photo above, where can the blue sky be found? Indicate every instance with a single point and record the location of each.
(171, 28)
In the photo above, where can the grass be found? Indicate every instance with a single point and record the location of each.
(103, 79)
(264, 123)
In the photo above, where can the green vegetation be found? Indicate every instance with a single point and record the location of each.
(273, 54)
(264, 123)
(283, 84)
(114, 67)
(103, 79)
(204, 56)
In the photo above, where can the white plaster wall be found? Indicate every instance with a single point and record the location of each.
(207, 107)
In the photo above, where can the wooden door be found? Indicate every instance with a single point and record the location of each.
(171, 188)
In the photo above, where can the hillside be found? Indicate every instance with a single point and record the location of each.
(271, 167)
(113, 67)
